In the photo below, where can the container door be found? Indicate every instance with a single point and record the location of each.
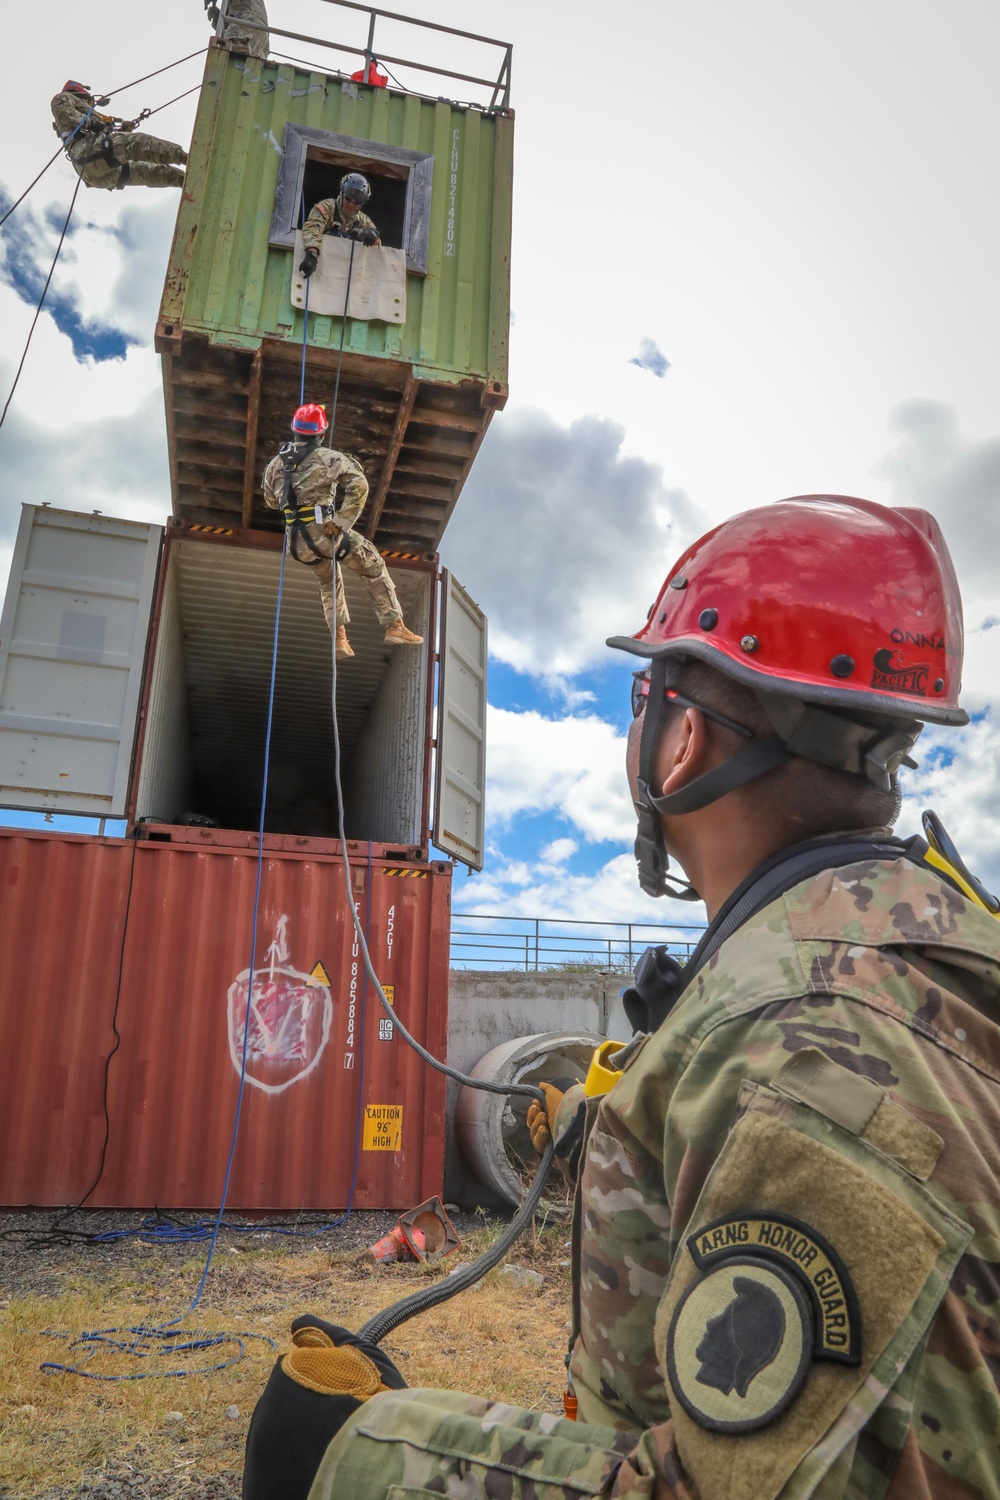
(72, 644)
(460, 780)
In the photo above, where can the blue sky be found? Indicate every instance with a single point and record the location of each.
(778, 279)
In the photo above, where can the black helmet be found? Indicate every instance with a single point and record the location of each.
(355, 187)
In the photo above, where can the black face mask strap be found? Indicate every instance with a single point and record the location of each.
(651, 856)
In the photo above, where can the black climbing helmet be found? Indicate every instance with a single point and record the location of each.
(355, 187)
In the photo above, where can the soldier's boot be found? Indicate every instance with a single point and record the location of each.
(343, 644)
(398, 635)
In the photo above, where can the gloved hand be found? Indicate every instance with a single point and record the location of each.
(311, 1392)
(309, 262)
(369, 237)
(541, 1122)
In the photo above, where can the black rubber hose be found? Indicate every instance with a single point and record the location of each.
(384, 1322)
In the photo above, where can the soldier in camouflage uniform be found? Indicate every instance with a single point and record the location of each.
(111, 153)
(321, 535)
(339, 216)
(247, 38)
(787, 1216)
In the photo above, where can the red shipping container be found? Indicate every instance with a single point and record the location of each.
(320, 1047)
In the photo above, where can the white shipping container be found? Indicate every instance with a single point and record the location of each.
(135, 676)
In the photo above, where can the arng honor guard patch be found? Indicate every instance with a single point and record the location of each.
(772, 1297)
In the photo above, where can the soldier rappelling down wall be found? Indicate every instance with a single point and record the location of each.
(302, 481)
(111, 153)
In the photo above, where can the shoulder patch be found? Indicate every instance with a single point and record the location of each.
(799, 1249)
(740, 1344)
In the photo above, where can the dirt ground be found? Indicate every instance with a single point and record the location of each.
(65, 1435)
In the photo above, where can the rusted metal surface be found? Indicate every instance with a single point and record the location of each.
(62, 916)
(318, 1048)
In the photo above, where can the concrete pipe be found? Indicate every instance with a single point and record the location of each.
(490, 1129)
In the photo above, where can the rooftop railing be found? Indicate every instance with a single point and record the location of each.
(497, 85)
(483, 940)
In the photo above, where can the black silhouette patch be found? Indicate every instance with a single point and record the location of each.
(740, 1344)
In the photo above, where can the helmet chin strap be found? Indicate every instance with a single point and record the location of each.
(650, 852)
(874, 750)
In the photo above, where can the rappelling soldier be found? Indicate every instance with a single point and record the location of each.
(111, 153)
(786, 1255)
(322, 493)
(340, 216)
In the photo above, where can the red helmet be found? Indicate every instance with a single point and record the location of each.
(310, 419)
(72, 87)
(823, 598)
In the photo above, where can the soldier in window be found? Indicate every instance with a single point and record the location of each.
(340, 216)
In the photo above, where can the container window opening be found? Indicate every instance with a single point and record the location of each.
(387, 205)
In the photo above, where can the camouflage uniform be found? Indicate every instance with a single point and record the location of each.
(315, 482)
(812, 1127)
(328, 217)
(139, 160)
(255, 43)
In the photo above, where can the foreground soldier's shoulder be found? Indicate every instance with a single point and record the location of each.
(814, 1263)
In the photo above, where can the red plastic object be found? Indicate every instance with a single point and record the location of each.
(72, 87)
(375, 78)
(821, 596)
(310, 418)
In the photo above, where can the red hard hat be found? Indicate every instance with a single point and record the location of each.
(72, 87)
(310, 419)
(824, 598)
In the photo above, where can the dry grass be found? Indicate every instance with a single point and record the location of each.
(498, 1339)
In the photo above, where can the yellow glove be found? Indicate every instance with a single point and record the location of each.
(541, 1122)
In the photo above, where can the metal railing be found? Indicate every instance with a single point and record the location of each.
(484, 940)
(500, 85)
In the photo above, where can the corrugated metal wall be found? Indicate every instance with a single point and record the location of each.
(316, 1049)
(62, 918)
(224, 279)
(388, 769)
(164, 780)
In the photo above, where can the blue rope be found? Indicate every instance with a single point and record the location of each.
(253, 934)
(166, 1338)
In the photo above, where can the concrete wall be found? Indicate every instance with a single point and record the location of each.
(486, 1009)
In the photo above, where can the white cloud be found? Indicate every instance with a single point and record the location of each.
(559, 851)
(574, 767)
(610, 895)
(564, 538)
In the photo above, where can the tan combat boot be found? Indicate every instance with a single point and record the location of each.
(398, 635)
(343, 644)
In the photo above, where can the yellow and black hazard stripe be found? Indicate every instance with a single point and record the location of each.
(402, 556)
(416, 874)
(212, 530)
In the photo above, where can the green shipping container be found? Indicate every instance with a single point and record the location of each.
(415, 396)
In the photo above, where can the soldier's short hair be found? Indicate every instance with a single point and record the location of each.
(813, 798)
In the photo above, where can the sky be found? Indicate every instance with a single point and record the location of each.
(754, 255)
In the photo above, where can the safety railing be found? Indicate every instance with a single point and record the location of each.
(483, 940)
(498, 85)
